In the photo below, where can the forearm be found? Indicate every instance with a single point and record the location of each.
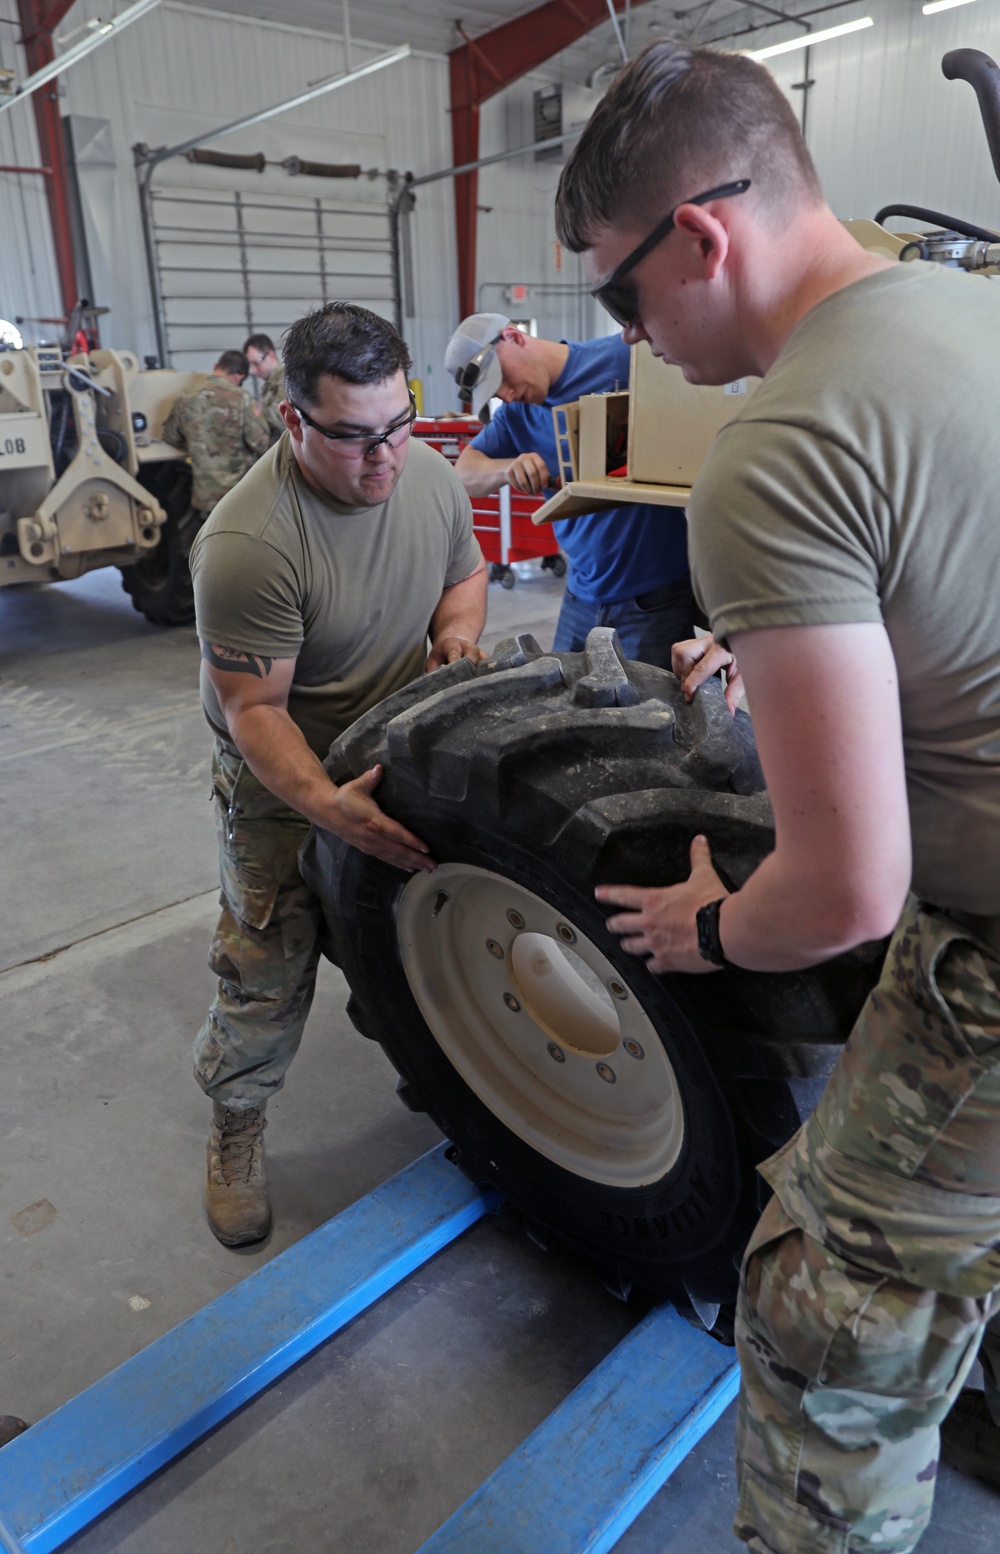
(461, 610)
(827, 719)
(784, 919)
(275, 750)
(480, 475)
(828, 727)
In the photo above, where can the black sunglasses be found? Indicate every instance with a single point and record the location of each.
(472, 371)
(618, 296)
(357, 438)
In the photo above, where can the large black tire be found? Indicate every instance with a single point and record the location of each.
(160, 583)
(627, 1121)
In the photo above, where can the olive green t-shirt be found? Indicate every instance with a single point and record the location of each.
(281, 571)
(860, 484)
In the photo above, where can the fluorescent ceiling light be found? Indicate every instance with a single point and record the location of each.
(808, 39)
(96, 37)
(942, 5)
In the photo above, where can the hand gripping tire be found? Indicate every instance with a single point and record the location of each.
(160, 583)
(619, 1111)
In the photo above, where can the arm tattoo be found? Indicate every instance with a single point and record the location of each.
(235, 662)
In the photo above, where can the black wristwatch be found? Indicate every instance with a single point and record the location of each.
(709, 943)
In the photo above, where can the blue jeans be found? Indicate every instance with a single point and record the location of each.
(647, 626)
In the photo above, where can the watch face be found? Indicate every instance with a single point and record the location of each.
(709, 943)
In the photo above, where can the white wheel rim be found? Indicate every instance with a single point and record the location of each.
(575, 1070)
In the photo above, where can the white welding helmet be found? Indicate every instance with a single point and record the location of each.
(471, 357)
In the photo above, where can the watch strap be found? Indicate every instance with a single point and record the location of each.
(709, 942)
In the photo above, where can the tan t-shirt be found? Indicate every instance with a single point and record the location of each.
(347, 591)
(860, 484)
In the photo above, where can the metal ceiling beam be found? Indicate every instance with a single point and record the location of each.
(97, 32)
(39, 19)
(479, 69)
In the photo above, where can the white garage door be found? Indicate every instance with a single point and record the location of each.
(232, 263)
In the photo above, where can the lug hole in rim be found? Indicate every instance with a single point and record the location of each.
(617, 989)
(512, 1003)
(565, 933)
(607, 1074)
(634, 1048)
(556, 1052)
(515, 919)
(495, 949)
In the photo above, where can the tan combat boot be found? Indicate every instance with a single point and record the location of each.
(236, 1198)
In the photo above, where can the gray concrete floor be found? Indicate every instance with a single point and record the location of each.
(110, 891)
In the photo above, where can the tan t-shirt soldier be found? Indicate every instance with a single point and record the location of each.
(845, 544)
(317, 586)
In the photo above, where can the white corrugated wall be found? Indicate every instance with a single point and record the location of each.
(883, 124)
(517, 237)
(178, 71)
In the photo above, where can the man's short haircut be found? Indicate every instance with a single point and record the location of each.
(261, 343)
(233, 361)
(344, 341)
(675, 122)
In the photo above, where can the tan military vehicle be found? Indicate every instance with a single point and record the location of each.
(86, 480)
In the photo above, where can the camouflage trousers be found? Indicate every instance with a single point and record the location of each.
(873, 1278)
(266, 947)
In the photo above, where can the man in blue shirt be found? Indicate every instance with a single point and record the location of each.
(628, 566)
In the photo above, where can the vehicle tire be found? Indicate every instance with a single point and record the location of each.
(160, 583)
(508, 577)
(556, 564)
(618, 1111)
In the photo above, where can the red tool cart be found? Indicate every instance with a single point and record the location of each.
(502, 522)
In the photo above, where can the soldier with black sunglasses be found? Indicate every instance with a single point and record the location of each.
(845, 546)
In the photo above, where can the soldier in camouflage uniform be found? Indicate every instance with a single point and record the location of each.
(826, 554)
(221, 430)
(263, 360)
(317, 586)
(873, 1273)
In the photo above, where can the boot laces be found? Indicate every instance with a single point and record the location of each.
(238, 1137)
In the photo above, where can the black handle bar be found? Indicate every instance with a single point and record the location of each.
(936, 218)
(983, 75)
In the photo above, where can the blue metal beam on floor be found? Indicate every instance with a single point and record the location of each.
(582, 1478)
(8, 1543)
(89, 1453)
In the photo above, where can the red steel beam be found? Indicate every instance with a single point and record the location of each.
(39, 19)
(479, 69)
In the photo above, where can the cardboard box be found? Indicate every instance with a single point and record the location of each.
(673, 423)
